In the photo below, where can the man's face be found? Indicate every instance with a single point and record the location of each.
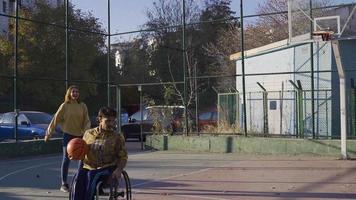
(107, 123)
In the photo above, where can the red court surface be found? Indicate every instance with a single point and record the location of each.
(181, 175)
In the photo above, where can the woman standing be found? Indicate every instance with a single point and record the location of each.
(72, 116)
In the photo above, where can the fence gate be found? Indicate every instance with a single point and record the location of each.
(229, 109)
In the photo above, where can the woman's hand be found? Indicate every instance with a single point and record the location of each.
(46, 138)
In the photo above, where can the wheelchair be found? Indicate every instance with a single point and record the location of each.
(119, 190)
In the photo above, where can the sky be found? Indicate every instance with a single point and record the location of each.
(128, 15)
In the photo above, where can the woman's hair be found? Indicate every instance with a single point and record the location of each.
(107, 112)
(67, 97)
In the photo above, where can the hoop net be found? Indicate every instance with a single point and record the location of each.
(322, 35)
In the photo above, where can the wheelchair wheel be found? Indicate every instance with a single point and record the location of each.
(121, 190)
(127, 185)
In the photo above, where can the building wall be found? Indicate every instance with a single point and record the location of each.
(322, 85)
(281, 111)
(347, 51)
(279, 61)
(4, 21)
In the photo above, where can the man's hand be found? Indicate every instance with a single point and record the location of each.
(116, 174)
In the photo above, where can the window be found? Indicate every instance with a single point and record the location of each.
(137, 115)
(21, 118)
(205, 116)
(273, 105)
(4, 7)
(214, 116)
(8, 118)
(39, 118)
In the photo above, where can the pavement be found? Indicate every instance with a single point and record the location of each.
(183, 175)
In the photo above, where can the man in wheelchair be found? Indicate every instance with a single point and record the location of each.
(107, 157)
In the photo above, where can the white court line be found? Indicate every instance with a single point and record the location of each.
(24, 169)
(182, 195)
(175, 176)
(31, 159)
(180, 175)
(32, 167)
(200, 197)
(139, 184)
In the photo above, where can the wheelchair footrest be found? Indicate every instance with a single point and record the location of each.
(118, 194)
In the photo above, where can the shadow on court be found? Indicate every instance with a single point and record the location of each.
(179, 175)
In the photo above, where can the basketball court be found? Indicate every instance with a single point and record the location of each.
(183, 175)
(179, 175)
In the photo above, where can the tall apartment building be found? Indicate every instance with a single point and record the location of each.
(7, 7)
(4, 21)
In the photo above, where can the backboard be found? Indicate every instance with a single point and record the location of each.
(308, 16)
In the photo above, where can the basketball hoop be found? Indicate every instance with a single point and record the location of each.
(322, 35)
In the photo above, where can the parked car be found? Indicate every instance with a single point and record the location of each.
(124, 119)
(167, 118)
(31, 125)
(208, 118)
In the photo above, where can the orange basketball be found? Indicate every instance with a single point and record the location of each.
(77, 148)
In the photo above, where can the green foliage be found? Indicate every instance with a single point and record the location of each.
(42, 54)
(212, 59)
(219, 13)
(5, 69)
(157, 56)
(167, 57)
(168, 94)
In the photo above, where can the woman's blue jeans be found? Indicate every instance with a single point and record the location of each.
(65, 160)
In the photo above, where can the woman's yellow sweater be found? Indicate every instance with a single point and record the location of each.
(72, 117)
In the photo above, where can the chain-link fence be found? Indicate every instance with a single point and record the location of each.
(215, 67)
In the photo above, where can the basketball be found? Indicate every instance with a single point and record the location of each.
(77, 148)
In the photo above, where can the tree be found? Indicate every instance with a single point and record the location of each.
(165, 59)
(5, 71)
(134, 71)
(219, 43)
(273, 28)
(215, 16)
(265, 30)
(41, 51)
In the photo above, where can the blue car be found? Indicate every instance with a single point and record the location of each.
(31, 125)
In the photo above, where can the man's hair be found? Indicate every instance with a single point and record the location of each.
(107, 112)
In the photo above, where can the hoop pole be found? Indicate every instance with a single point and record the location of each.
(290, 21)
(312, 71)
(343, 114)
